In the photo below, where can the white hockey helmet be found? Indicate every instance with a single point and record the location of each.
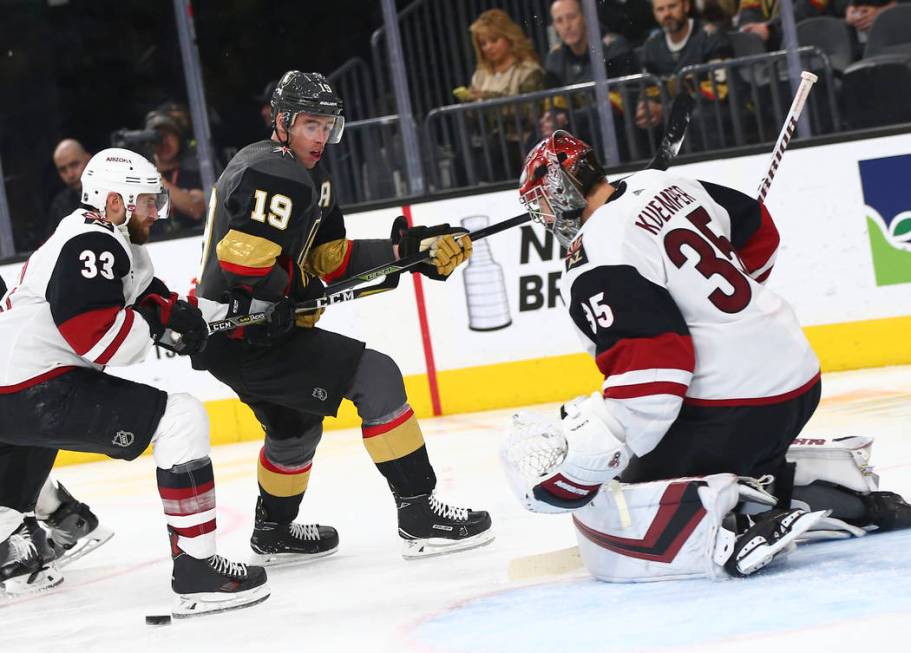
(126, 173)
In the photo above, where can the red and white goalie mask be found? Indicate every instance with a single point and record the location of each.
(558, 173)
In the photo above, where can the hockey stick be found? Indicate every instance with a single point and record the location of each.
(807, 80)
(345, 291)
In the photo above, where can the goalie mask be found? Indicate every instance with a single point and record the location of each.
(558, 174)
(128, 174)
(309, 93)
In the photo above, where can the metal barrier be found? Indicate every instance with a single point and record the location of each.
(487, 141)
(368, 164)
(744, 101)
(353, 81)
(437, 45)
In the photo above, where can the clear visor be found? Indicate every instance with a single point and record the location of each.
(153, 204)
(321, 128)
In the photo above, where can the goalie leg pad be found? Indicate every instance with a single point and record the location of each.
(658, 531)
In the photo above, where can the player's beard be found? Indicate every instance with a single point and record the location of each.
(672, 25)
(139, 234)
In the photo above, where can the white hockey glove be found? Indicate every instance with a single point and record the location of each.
(554, 467)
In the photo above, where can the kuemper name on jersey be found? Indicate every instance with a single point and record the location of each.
(661, 208)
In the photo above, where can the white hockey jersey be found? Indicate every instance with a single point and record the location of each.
(664, 286)
(71, 306)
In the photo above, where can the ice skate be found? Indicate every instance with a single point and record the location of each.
(276, 545)
(24, 566)
(214, 584)
(430, 527)
(771, 534)
(73, 529)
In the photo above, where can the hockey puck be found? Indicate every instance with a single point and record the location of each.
(158, 619)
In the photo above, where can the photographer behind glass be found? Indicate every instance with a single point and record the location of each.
(163, 141)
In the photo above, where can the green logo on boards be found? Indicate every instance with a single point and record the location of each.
(888, 213)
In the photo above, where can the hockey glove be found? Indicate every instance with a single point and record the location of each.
(278, 324)
(314, 288)
(177, 316)
(446, 252)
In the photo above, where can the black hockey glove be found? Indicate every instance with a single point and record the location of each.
(279, 318)
(178, 317)
(446, 253)
(315, 288)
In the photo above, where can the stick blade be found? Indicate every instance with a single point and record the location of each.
(545, 565)
(678, 121)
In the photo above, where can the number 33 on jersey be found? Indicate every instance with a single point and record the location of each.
(664, 284)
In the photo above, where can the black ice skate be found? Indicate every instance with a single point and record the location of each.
(26, 561)
(74, 529)
(275, 544)
(885, 510)
(767, 535)
(430, 527)
(214, 584)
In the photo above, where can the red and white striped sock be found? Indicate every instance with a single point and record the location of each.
(188, 497)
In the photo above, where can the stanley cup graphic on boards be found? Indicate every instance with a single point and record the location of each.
(485, 288)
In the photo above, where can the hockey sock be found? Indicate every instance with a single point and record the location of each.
(396, 445)
(282, 487)
(188, 496)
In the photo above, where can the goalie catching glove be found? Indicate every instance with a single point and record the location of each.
(446, 251)
(555, 467)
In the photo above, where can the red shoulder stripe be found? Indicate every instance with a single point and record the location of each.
(244, 270)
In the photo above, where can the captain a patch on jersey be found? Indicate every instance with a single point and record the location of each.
(575, 255)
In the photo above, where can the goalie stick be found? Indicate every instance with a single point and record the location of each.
(562, 561)
(345, 290)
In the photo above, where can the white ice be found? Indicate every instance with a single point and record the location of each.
(842, 596)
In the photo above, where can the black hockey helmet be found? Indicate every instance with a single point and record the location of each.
(298, 92)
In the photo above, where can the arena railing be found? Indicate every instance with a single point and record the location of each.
(368, 164)
(744, 101)
(486, 142)
(437, 45)
(353, 81)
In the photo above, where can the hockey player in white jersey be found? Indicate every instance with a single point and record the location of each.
(86, 299)
(708, 380)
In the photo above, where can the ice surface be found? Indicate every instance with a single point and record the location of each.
(842, 596)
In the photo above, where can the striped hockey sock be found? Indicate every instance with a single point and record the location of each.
(396, 445)
(282, 487)
(188, 496)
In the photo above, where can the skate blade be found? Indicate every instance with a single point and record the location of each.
(39, 581)
(438, 546)
(764, 555)
(206, 603)
(85, 545)
(275, 560)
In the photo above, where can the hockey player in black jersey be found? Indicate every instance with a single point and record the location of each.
(707, 378)
(274, 234)
(86, 299)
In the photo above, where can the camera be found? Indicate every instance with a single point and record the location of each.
(139, 140)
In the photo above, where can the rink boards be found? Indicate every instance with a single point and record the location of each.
(496, 333)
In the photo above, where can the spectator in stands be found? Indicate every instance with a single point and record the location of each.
(178, 168)
(507, 65)
(632, 18)
(683, 41)
(761, 17)
(860, 15)
(265, 104)
(570, 63)
(506, 60)
(69, 159)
